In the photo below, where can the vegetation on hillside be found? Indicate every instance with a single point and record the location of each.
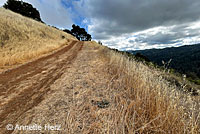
(28, 10)
(23, 8)
(144, 101)
(79, 33)
(169, 74)
(185, 59)
(22, 39)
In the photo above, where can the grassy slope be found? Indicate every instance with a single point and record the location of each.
(185, 59)
(22, 39)
(147, 103)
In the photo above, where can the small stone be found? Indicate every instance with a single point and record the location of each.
(76, 93)
(103, 104)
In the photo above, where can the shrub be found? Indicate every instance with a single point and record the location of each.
(23, 8)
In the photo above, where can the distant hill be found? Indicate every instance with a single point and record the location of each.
(185, 59)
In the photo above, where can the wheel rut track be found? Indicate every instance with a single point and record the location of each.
(32, 95)
(9, 78)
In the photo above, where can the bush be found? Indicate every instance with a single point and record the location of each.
(23, 8)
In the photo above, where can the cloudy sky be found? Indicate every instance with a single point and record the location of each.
(127, 24)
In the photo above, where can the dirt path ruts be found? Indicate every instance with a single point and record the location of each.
(25, 87)
(72, 102)
(72, 88)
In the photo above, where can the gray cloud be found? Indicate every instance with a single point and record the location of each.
(131, 41)
(116, 18)
(171, 36)
(127, 16)
(158, 38)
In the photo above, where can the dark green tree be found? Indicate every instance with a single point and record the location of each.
(99, 42)
(142, 57)
(67, 31)
(80, 33)
(23, 8)
(88, 37)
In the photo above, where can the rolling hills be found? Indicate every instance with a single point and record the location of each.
(185, 59)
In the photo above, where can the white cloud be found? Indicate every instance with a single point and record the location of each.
(157, 37)
(85, 21)
(2, 2)
(52, 12)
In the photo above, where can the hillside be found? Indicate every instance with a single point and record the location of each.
(84, 88)
(22, 39)
(185, 59)
(87, 88)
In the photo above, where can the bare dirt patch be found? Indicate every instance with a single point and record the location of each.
(25, 87)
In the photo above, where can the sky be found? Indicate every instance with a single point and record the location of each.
(127, 24)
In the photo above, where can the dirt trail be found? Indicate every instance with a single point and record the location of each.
(70, 90)
(23, 88)
(66, 88)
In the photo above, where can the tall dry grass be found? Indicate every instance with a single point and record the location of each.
(140, 100)
(145, 102)
(22, 38)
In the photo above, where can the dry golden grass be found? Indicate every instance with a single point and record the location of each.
(140, 100)
(22, 39)
(147, 103)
